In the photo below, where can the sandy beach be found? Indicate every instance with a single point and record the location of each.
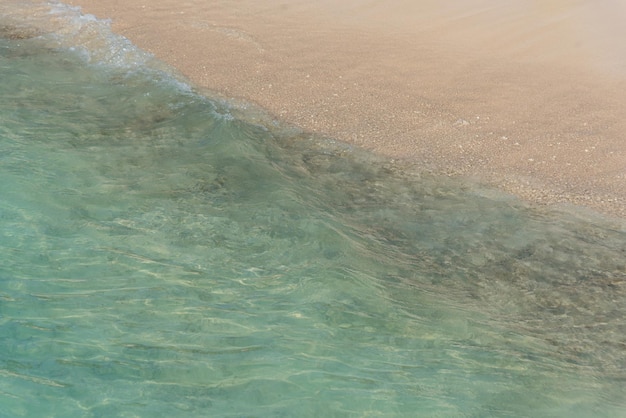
(525, 95)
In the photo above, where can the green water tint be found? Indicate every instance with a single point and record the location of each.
(160, 257)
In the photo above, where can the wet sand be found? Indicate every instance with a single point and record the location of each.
(525, 95)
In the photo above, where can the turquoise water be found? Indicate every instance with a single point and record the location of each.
(164, 254)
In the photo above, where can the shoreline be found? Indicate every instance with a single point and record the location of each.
(524, 99)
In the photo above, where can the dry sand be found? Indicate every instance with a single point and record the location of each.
(528, 95)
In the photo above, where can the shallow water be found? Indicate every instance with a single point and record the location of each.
(163, 255)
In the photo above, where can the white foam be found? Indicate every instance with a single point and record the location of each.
(93, 38)
(63, 26)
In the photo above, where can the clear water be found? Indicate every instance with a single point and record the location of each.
(161, 255)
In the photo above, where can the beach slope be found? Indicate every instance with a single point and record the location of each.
(525, 95)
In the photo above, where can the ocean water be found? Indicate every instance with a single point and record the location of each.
(166, 254)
